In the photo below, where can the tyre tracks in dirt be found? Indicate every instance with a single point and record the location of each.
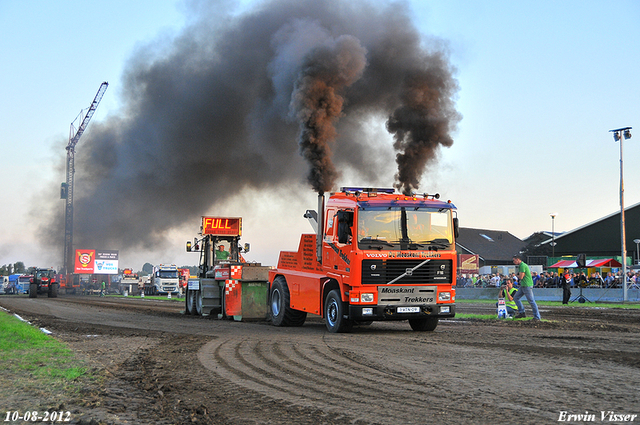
(327, 371)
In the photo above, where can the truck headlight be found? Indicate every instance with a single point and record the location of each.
(368, 311)
(444, 296)
(366, 298)
(445, 309)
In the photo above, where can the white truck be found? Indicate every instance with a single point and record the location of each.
(164, 280)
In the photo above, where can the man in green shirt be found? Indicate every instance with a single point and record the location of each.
(525, 289)
(221, 254)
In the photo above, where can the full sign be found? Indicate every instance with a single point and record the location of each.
(222, 226)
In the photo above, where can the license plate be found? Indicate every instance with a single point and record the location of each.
(408, 310)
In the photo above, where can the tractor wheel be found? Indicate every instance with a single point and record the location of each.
(198, 302)
(190, 302)
(53, 291)
(424, 324)
(279, 302)
(334, 314)
(33, 290)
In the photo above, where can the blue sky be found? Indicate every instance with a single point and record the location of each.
(541, 84)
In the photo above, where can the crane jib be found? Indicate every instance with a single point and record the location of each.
(71, 149)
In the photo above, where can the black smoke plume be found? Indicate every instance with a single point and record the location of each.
(239, 101)
(424, 120)
(317, 103)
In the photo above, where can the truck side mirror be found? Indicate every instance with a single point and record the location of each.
(247, 247)
(456, 227)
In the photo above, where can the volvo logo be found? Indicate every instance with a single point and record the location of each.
(442, 266)
(373, 267)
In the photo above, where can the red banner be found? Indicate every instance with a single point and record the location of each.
(85, 261)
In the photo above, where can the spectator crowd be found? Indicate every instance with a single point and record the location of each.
(550, 280)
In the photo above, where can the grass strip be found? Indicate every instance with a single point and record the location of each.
(28, 351)
(477, 316)
(486, 317)
(149, 297)
(38, 371)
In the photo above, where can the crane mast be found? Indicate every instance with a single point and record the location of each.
(66, 191)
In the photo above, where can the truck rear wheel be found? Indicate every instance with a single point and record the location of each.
(334, 313)
(279, 302)
(423, 324)
(33, 290)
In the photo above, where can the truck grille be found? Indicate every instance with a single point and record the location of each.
(380, 272)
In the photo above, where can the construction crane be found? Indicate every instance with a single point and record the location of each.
(66, 191)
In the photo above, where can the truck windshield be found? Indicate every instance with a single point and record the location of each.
(168, 274)
(391, 228)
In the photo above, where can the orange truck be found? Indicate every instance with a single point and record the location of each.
(70, 283)
(376, 255)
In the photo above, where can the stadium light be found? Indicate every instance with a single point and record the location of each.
(618, 134)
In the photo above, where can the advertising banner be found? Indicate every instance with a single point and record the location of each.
(106, 262)
(468, 263)
(85, 259)
(93, 261)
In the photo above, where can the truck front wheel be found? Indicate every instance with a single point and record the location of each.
(281, 312)
(424, 324)
(334, 313)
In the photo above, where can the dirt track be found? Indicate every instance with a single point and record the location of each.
(163, 367)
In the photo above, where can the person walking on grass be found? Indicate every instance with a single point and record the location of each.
(525, 289)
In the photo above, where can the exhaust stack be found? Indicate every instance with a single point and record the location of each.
(320, 230)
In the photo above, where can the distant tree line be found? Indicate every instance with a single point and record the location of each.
(18, 267)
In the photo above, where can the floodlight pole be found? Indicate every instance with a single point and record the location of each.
(618, 135)
(553, 235)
